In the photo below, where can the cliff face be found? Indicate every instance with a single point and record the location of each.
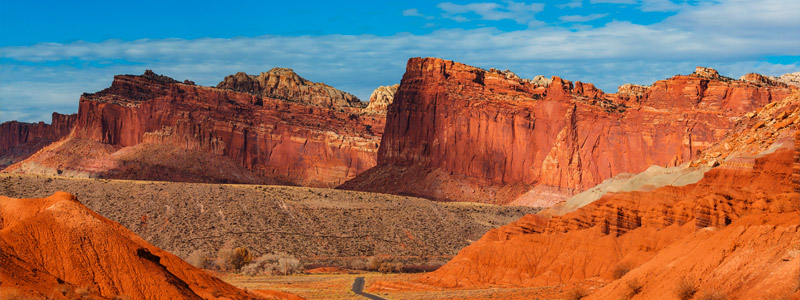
(704, 233)
(381, 98)
(489, 136)
(19, 140)
(284, 83)
(277, 140)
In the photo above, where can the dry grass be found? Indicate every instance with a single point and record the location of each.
(712, 295)
(685, 289)
(620, 270)
(634, 286)
(577, 293)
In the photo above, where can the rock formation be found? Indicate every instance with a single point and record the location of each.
(56, 248)
(460, 133)
(704, 233)
(152, 127)
(381, 98)
(19, 140)
(284, 83)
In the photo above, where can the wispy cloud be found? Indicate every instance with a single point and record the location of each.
(519, 12)
(571, 4)
(734, 37)
(579, 19)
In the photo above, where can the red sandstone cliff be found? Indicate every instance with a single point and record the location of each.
(154, 128)
(56, 248)
(459, 133)
(18, 140)
(735, 232)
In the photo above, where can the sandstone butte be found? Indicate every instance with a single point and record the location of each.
(460, 133)
(272, 128)
(18, 140)
(734, 233)
(56, 248)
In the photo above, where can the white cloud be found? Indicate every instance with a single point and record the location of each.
(579, 19)
(412, 12)
(613, 1)
(519, 12)
(571, 4)
(36, 80)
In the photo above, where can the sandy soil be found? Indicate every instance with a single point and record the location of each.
(337, 286)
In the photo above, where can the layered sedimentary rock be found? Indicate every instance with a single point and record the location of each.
(284, 83)
(154, 128)
(56, 248)
(381, 98)
(460, 133)
(18, 140)
(705, 232)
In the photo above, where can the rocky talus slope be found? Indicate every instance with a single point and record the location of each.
(318, 226)
(279, 128)
(460, 133)
(56, 248)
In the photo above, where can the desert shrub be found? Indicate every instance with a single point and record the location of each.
(233, 259)
(634, 286)
(357, 264)
(577, 293)
(620, 270)
(712, 295)
(373, 263)
(271, 264)
(685, 289)
(389, 267)
(199, 259)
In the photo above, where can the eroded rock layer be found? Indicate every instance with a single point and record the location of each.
(733, 233)
(636, 228)
(284, 83)
(256, 137)
(381, 98)
(18, 140)
(489, 136)
(56, 248)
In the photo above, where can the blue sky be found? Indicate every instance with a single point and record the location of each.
(51, 52)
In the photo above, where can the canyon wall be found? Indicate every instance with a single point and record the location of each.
(18, 140)
(460, 133)
(299, 141)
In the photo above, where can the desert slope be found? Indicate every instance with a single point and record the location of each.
(60, 241)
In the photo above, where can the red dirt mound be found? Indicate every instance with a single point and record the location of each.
(56, 247)
(735, 233)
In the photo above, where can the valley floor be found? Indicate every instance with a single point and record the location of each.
(337, 286)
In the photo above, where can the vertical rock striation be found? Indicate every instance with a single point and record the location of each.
(283, 129)
(18, 140)
(460, 133)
